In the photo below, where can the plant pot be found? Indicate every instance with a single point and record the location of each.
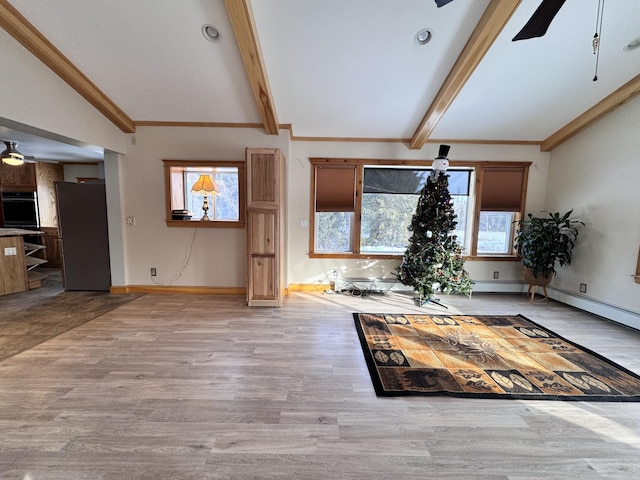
(540, 279)
(537, 281)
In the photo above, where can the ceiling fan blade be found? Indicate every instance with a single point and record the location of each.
(442, 3)
(540, 20)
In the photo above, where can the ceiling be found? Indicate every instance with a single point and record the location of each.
(342, 68)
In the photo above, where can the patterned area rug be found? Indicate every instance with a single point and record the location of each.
(485, 357)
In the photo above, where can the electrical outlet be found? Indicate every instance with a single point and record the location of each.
(153, 271)
(10, 251)
(496, 275)
(583, 288)
(336, 273)
(131, 220)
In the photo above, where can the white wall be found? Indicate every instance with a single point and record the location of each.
(33, 95)
(596, 173)
(305, 270)
(74, 171)
(211, 257)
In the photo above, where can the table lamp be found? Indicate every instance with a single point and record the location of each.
(203, 186)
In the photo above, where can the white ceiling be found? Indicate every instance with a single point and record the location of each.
(343, 68)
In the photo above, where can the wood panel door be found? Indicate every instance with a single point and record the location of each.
(263, 178)
(263, 282)
(262, 232)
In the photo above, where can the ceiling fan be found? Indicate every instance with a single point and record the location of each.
(539, 22)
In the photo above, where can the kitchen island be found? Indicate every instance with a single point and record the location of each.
(16, 261)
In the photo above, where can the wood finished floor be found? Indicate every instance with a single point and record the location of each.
(203, 387)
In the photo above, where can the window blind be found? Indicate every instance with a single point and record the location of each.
(335, 188)
(502, 189)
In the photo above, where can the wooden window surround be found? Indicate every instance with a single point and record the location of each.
(175, 192)
(331, 179)
(500, 187)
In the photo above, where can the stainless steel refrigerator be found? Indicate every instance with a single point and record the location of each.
(82, 219)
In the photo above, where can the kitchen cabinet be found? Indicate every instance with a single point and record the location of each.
(265, 227)
(18, 178)
(50, 239)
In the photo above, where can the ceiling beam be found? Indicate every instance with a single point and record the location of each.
(622, 95)
(241, 17)
(493, 20)
(24, 32)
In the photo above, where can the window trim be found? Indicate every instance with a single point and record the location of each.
(171, 166)
(475, 198)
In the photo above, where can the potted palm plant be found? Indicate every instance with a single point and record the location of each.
(544, 243)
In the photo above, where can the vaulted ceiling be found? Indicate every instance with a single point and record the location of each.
(340, 69)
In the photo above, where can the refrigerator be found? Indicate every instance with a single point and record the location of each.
(82, 219)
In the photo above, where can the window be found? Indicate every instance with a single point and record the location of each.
(501, 202)
(363, 208)
(226, 205)
(389, 198)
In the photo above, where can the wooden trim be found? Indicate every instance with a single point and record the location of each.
(493, 20)
(29, 37)
(177, 289)
(152, 123)
(475, 229)
(294, 138)
(622, 95)
(308, 287)
(415, 163)
(349, 139)
(241, 18)
(196, 223)
(355, 232)
(636, 277)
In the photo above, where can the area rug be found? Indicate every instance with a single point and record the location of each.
(483, 356)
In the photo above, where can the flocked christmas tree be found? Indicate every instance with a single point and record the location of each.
(433, 259)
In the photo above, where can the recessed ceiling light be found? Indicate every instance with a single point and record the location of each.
(632, 45)
(210, 32)
(422, 37)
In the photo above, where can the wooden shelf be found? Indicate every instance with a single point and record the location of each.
(35, 279)
(30, 248)
(33, 262)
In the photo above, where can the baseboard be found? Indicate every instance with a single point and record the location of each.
(596, 307)
(178, 289)
(307, 287)
(499, 286)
